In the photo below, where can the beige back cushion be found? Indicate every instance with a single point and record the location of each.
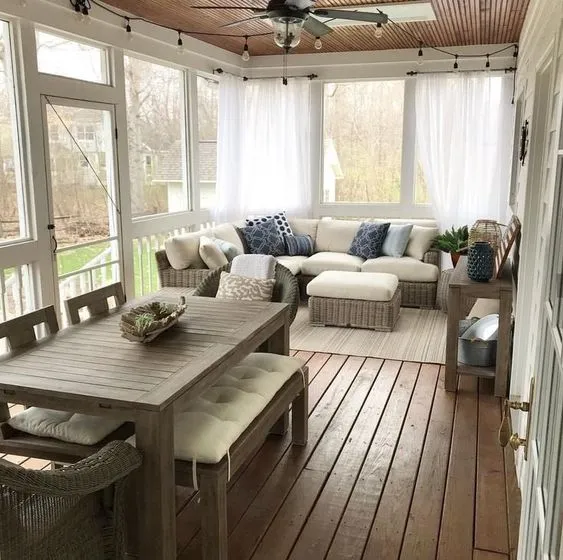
(420, 240)
(336, 235)
(304, 226)
(227, 232)
(183, 250)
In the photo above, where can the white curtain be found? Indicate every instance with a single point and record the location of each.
(464, 133)
(263, 148)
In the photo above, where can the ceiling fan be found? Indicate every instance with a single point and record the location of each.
(290, 17)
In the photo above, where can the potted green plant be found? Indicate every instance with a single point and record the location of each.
(453, 241)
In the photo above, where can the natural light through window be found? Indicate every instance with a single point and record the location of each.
(363, 137)
(12, 199)
(207, 113)
(156, 133)
(72, 59)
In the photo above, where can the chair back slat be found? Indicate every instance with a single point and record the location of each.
(96, 302)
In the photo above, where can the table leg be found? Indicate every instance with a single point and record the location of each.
(503, 343)
(454, 312)
(278, 343)
(154, 433)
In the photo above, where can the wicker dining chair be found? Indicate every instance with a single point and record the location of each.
(76, 512)
(286, 288)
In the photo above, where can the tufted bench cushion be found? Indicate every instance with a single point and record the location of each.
(206, 430)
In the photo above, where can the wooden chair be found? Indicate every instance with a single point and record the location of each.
(20, 332)
(96, 302)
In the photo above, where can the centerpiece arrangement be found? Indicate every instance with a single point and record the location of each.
(145, 322)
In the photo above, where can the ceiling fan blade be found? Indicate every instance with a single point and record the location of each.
(348, 14)
(253, 18)
(316, 27)
(253, 8)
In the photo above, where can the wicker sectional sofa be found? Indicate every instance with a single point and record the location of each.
(418, 277)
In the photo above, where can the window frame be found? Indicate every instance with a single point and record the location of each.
(407, 206)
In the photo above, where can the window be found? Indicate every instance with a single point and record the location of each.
(363, 139)
(12, 197)
(207, 113)
(156, 130)
(421, 195)
(71, 59)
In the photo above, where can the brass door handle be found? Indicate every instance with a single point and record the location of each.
(515, 442)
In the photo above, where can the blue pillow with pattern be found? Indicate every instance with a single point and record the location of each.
(298, 245)
(263, 238)
(368, 242)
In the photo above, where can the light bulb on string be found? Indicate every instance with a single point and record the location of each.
(245, 52)
(456, 65)
(318, 44)
(515, 53)
(180, 43)
(128, 30)
(488, 64)
(420, 58)
(378, 31)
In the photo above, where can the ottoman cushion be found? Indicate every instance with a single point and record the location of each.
(369, 286)
(406, 269)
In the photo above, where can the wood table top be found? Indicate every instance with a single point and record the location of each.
(460, 279)
(92, 363)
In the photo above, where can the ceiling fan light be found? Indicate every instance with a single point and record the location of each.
(287, 31)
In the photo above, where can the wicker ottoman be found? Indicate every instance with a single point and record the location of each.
(369, 300)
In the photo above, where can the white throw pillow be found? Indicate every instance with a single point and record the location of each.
(420, 241)
(64, 426)
(183, 250)
(242, 288)
(211, 254)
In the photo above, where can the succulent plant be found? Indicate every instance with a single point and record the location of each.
(453, 240)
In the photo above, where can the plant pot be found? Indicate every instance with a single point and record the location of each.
(455, 258)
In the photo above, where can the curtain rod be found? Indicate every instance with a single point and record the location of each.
(246, 78)
(508, 70)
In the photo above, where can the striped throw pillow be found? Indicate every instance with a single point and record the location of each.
(298, 245)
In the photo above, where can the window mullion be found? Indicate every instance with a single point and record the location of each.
(192, 139)
(408, 161)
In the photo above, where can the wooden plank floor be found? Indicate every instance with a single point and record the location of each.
(395, 468)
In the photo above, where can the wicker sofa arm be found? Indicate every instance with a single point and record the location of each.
(432, 256)
(171, 278)
(102, 469)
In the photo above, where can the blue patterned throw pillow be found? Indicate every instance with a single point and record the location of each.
(298, 245)
(279, 218)
(368, 242)
(264, 239)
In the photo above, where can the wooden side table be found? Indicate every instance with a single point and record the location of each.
(461, 287)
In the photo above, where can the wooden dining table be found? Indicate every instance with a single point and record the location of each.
(91, 369)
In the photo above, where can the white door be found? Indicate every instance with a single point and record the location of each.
(83, 195)
(542, 493)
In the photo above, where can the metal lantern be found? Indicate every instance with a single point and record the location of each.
(480, 261)
(485, 230)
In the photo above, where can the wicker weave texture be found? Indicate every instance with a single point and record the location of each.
(171, 278)
(376, 315)
(286, 288)
(66, 514)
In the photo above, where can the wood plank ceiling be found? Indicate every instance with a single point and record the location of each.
(458, 22)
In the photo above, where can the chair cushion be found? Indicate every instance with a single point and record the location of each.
(264, 239)
(210, 425)
(232, 286)
(228, 232)
(336, 235)
(298, 245)
(354, 285)
(279, 218)
(319, 262)
(406, 269)
(210, 253)
(396, 240)
(294, 264)
(420, 241)
(64, 426)
(183, 250)
(368, 240)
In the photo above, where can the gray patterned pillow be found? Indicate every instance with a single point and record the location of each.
(368, 241)
(279, 218)
(264, 239)
(242, 288)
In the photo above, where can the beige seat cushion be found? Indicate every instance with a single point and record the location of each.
(370, 286)
(336, 235)
(227, 232)
(183, 250)
(210, 253)
(210, 425)
(294, 264)
(483, 307)
(64, 426)
(420, 241)
(406, 269)
(319, 262)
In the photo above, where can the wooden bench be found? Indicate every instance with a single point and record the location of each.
(209, 450)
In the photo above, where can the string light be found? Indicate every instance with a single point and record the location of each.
(515, 53)
(318, 44)
(245, 53)
(456, 65)
(378, 31)
(420, 59)
(180, 42)
(488, 63)
(128, 25)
